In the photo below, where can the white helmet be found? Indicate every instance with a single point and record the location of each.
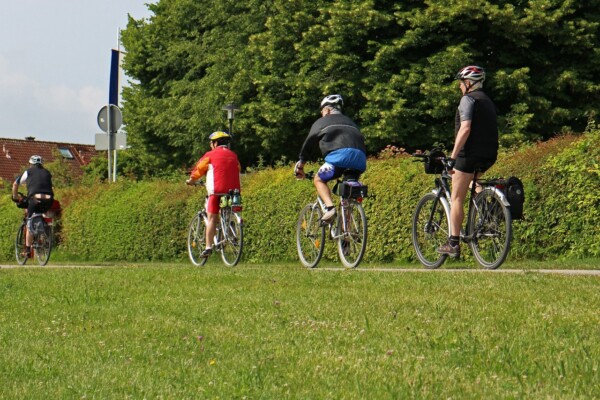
(472, 73)
(333, 100)
(36, 160)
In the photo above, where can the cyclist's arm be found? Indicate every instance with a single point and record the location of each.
(461, 138)
(465, 110)
(200, 169)
(15, 187)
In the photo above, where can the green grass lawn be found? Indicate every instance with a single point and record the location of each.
(280, 331)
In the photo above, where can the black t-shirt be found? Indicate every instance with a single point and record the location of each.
(482, 142)
(38, 180)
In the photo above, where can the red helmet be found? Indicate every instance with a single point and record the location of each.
(472, 73)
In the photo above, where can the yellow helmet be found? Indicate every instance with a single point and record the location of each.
(219, 135)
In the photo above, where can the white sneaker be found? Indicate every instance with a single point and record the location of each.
(328, 216)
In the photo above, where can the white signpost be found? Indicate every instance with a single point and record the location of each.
(110, 122)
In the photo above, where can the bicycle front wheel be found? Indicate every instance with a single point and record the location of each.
(352, 230)
(233, 238)
(20, 248)
(310, 235)
(490, 229)
(196, 240)
(43, 245)
(430, 230)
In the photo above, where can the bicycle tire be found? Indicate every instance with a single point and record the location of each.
(232, 231)
(310, 235)
(490, 229)
(196, 240)
(353, 243)
(430, 230)
(43, 245)
(20, 245)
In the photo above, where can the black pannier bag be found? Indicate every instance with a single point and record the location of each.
(433, 164)
(515, 194)
(351, 189)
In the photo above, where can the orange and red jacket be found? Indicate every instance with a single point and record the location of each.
(222, 169)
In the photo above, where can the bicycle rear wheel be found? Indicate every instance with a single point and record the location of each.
(490, 229)
(310, 235)
(20, 247)
(430, 230)
(352, 242)
(196, 239)
(233, 234)
(43, 245)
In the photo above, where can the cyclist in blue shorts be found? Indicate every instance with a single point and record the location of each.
(341, 144)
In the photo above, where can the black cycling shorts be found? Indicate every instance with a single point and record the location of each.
(38, 205)
(470, 164)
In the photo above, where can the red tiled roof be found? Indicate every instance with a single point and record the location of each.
(15, 153)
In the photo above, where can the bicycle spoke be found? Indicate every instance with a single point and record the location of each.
(20, 252)
(430, 230)
(310, 236)
(490, 230)
(352, 226)
(232, 235)
(196, 239)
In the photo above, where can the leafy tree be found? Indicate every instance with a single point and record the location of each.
(392, 61)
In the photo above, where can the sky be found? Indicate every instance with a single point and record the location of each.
(55, 65)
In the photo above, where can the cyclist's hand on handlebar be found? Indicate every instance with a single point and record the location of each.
(450, 163)
(299, 170)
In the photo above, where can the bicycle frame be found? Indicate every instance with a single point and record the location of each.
(228, 238)
(443, 194)
(348, 230)
(487, 227)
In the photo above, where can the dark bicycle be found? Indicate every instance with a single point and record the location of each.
(488, 229)
(42, 229)
(349, 230)
(229, 238)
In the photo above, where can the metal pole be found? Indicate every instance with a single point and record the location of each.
(108, 120)
(231, 127)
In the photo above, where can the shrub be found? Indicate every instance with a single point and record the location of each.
(148, 220)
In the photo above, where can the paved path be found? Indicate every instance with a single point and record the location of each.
(595, 272)
(590, 272)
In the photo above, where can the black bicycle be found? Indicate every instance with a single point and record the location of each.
(229, 238)
(349, 230)
(488, 228)
(42, 229)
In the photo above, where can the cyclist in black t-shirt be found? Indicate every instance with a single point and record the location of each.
(475, 146)
(39, 192)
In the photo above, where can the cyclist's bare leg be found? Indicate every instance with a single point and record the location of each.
(323, 191)
(211, 229)
(460, 187)
(28, 238)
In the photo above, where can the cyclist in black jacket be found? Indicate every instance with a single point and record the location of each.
(341, 143)
(475, 146)
(39, 192)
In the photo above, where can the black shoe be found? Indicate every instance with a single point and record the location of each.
(206, 253)
(449, 250)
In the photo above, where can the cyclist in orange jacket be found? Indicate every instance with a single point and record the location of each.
(222, 169)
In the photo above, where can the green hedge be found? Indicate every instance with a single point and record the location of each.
(144, 221)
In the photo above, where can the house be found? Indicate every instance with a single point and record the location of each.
(15, 153)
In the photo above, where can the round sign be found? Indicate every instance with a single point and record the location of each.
(116, 119)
